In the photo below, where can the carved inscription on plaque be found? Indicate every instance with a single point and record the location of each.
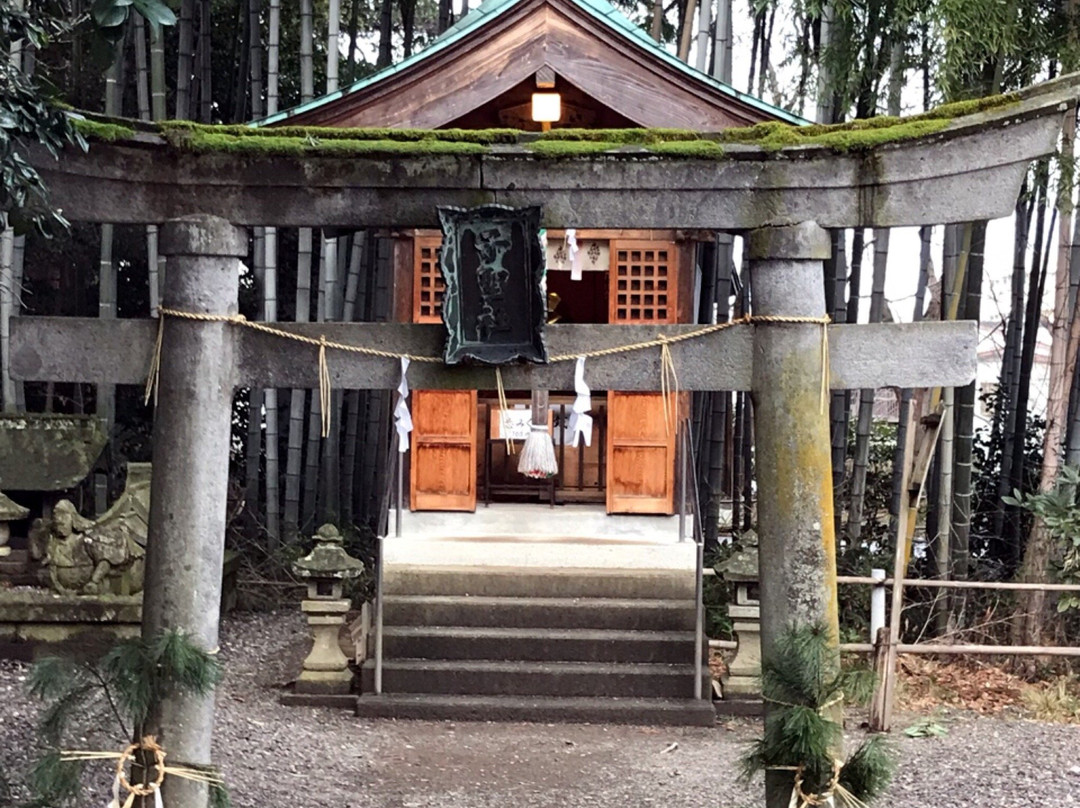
(493, 266)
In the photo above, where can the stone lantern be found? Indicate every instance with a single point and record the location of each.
(743, 679)
(10, 511)
(326, 568)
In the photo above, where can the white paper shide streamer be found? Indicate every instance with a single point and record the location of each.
(573, 251)
(402, 417)
(581, 423)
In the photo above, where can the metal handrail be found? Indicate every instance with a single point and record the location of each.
(689, 471)
(396, 466)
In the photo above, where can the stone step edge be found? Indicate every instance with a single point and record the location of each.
(546, 634)
(544, 667)
(508, 600)
(539, 709)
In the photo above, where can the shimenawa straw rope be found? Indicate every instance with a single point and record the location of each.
(668, 382)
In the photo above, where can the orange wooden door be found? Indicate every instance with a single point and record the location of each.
(443, 464)
(442, 474)
(640, 429)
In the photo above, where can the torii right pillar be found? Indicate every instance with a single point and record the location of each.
(797, 542)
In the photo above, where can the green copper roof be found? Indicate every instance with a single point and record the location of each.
(490, 9)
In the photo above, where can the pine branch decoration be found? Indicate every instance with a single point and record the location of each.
(801, 682)
(126, 684)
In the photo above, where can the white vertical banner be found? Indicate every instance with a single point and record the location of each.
(402, 417)
(581, 423)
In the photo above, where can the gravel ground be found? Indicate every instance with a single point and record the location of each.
(278, 757)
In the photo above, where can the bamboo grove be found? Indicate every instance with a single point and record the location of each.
(239, 60)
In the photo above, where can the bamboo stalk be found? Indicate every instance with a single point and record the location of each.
(899, 458)
(256, 65)
(106, 393)
(10, 284)
(296, 438)
(206, 96)
(157, 73)
(7, 260)
(866, 397)
(687, 33)
(307, 46)
(273, 58)
(18, 264)
(722, 42)
(269, 287)
(297, 403)
(185, 57)
(950, 280)
(965, 428)
(142, 69)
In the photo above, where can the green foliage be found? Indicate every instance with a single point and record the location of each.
(111, 15)
(127, 682)
(869, 769)
(876, 538)
(928, 727)
(1058, 510)
(986, 47)
(802, 682)
(27, 119)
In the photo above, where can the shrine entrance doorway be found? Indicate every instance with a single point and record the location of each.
(464, 442)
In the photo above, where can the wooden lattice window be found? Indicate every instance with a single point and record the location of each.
(644, 280)
(428, 285)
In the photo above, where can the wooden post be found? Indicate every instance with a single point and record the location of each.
(881, 708)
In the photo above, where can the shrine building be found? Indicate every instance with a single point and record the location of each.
(577, 597)
(595, 69)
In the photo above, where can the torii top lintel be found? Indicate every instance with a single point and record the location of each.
(935, 171)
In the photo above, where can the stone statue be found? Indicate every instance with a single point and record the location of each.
(103, 556)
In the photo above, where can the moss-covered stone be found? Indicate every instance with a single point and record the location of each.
(623, 137)
(701, 149)
(484, 137)
(570, 148)
(226, 143)
(98, 130)
(856, 135)
(559, 143)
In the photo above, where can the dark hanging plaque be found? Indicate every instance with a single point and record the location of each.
(493, 265)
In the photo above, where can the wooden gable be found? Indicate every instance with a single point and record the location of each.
(612, 76)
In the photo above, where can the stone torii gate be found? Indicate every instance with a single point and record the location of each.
(969, 168)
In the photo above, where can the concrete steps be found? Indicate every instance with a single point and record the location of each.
(638, 614)
(493, 678)
(537, 644)
(539, 709)
(581, 640)
(556, 583)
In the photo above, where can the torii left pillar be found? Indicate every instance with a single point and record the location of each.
(192, 426)
(796, 544)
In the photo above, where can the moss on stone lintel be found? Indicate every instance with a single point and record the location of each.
(283, 146)
(484, 137)
(858, 135)
(98, 130)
